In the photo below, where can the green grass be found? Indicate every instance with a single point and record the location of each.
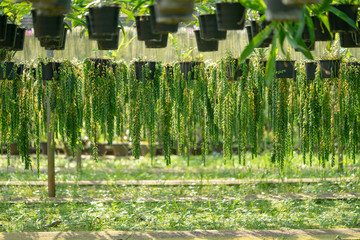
(173, 192)
(130, 169)
(219, 215)
(169, 214)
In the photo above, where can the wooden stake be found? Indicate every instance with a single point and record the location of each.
(78, 158)
(50, 146)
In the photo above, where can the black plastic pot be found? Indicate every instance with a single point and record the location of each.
(253, 30)
(19, 69)
(143, 28)
(161, 28)
(249, 32)
(104, 21)
(141, 66)
(285, 69)
(277, 11)
(158, 44)
(47, 26)
(230, 16)
(52, 8)
(234, 70)
(10, 37)
(310, 68)
(112, 44)
(20, 39)
(169, 71)
(91, 36)
(339, 25)
(329, 68)
(109, 44)
(188, 67)
(174, 11)
(7, 70)
(349, 39)
(209, 29)
(55, 44)
(206, 45)
(321, 32)
(101, 65)
(50, 70)
(3, 22)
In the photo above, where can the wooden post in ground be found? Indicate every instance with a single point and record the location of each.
(78, 158)
(50, 145)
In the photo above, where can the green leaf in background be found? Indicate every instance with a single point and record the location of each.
(343, 16)
(270, 65)
(256, 41)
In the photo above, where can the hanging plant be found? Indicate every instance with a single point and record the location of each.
(72, 104)
(100, 107)
(135, 104)
(165, 106)
(122, 98)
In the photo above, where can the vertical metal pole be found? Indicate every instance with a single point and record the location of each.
(50, 145)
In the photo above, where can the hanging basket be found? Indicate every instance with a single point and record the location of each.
(52, 8)
(206, 45)
(158, 44)
(321, 32)
(265, 44)
(277, 11)
(285, 69)
(19, 39)
(103, 22)
(19, 69)
(7, 70)
(329, 68)
(3, 22)
(310, 68)
(10, 37)
(339, 25)
(112, 44)
(101, 65)
(50, 71)
(188, 69)
(47, 26)
(141, 66)
(349, 39)
(234, 70)
(55, 44)
(143, 29)
(174, 11)
(169, 71)
(91, 35)
(209, 29)
(161, 28)
(230, 16)
(253, 30)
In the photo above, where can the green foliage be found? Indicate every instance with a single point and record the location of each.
(226, 103)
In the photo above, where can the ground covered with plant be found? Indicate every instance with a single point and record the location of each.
(257, 205)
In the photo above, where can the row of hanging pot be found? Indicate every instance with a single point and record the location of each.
(284, 68)
(102, 23)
